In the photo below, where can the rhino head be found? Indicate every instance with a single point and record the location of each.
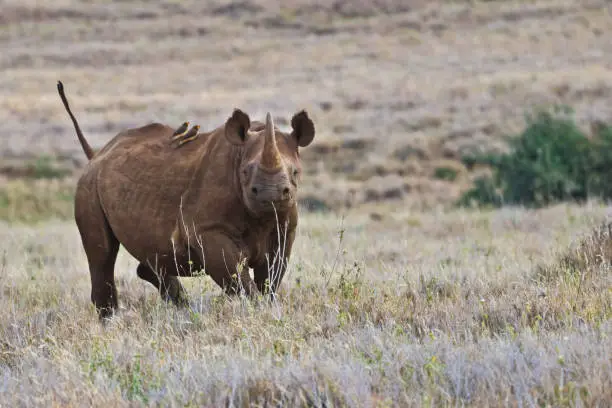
(270, 169)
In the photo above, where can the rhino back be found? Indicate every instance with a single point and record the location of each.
(140, 180)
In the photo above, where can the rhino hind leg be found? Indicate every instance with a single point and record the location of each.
(169, 286)
(104, 290)
(101, 247)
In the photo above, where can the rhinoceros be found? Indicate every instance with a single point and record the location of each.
(223, 202)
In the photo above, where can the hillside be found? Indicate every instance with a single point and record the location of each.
(397, 89)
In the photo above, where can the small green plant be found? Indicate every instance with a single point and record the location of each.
(350, 281)
(371, 357)
(134, 377)
(133, 381)
(434, 370)
(445, 173)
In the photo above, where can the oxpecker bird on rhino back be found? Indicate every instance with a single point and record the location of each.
(225, 201)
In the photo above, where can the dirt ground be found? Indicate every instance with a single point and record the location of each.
(397, 89)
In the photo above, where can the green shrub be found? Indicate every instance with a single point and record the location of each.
(484, 193)
(600, 164)
(552, 160)
(445, 173)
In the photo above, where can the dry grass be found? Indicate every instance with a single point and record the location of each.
(409, 305)
(415, 309)
(35, 201)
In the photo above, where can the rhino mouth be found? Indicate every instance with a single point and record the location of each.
(270, 206)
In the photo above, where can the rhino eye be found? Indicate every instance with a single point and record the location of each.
(295, 172)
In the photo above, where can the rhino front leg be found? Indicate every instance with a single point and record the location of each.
(169, 286)
(225, 263)
(270, 272)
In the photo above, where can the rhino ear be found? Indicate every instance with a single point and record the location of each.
(303, 128)
(237, 127)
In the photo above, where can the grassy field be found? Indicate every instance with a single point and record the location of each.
(414, 309)
(393, 298)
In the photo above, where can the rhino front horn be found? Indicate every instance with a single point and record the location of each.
(270, 157)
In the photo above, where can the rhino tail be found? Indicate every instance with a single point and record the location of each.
(86, 147)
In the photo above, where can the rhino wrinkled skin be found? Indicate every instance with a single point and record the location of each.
(223, 199)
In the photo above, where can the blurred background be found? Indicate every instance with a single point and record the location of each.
(401, 91)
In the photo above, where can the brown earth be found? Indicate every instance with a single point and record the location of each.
(397, 89)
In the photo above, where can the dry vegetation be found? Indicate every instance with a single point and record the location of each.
(403, 302)
(449, 308)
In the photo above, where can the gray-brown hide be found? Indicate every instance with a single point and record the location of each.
(214, 203)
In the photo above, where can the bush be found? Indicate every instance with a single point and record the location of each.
(484, 193)
(552, 160)
(445, 173)
(600, 177)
